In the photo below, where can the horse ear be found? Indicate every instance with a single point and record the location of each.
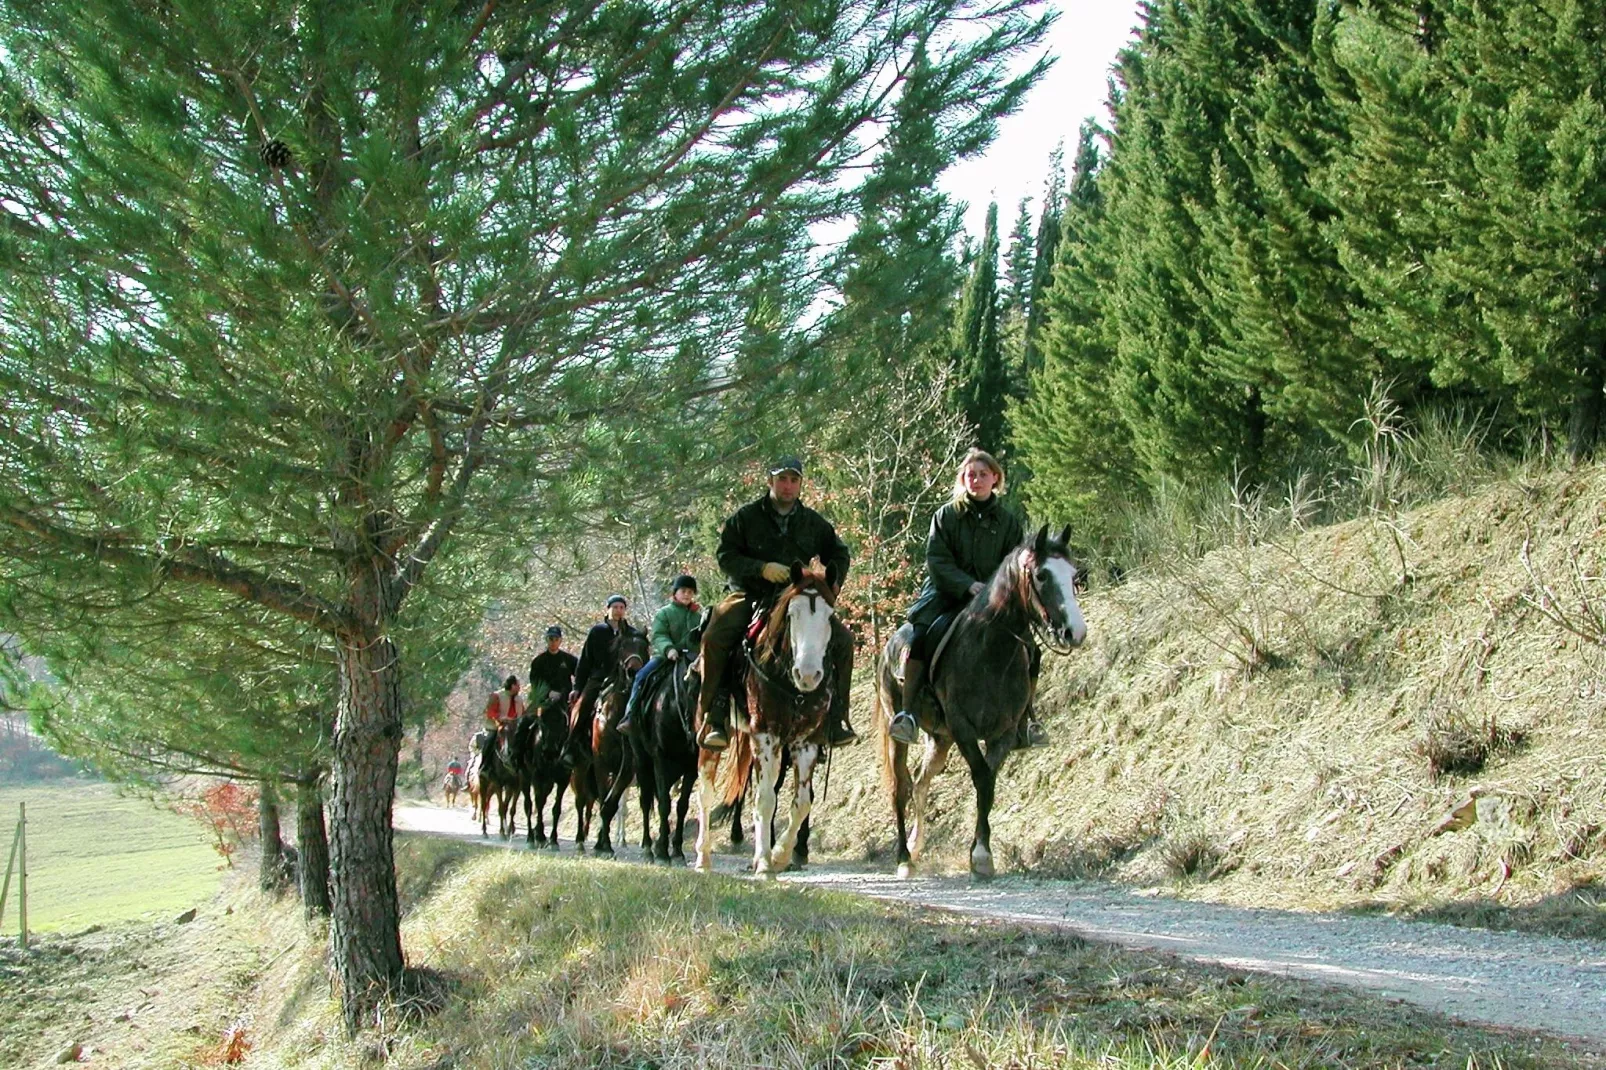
(1040, 543)
(1065, 536)
(797, 573)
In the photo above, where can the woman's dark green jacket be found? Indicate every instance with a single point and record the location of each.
(966, 546)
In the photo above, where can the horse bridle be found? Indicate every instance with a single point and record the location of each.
(799, 698)
(1040, 626)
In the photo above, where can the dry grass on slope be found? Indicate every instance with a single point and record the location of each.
(561, 962)
(1391, 711)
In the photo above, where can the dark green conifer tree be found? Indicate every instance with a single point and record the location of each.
(980, 381)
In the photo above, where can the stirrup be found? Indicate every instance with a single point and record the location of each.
(904, 728)
(1031, 734)
(713, 739)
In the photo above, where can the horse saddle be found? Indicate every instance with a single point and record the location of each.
(940, 632)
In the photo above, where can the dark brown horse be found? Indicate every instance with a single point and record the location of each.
(610, 763)
(537, 756)
(979, 688)
(788, 692)
(492, 780)
(666, 752)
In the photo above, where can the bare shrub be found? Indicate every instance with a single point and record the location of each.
(1454, 744)
(1191, 853)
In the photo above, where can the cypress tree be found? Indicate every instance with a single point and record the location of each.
(1045, 245)
(1499, 274)
(980, 381)
(1068, 429)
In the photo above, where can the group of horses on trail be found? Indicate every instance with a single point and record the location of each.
(980, 686)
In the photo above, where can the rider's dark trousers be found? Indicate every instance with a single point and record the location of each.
(580, 730)
(724, 632)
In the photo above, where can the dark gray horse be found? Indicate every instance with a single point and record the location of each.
(979, 688)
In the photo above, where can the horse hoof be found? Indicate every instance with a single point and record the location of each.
(605, 851)
(982, 868)
(796, 865)
(906, 870)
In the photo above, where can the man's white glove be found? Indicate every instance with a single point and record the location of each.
(673, 654)
(777, 573)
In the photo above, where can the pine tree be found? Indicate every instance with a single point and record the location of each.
(295, 299)
(980, 381)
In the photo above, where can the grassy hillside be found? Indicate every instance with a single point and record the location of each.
(1393, 711)
(97, 857)
(523, 959)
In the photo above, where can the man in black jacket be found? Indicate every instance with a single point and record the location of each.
(552, 671)
(595, 666)
(756, 550)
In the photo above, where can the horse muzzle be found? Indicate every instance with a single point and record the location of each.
(807, 681)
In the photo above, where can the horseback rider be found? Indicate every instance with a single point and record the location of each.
(672, 629)
(756, 548)
(552, 670)
(502, 709)
(591, 675)
(970, 537)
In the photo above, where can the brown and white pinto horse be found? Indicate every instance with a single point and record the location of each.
(979, 688)
(788, 693)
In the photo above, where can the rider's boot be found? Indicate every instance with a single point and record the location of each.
(1029, 732)
(626, 723)
(715, 733)
(904, 727)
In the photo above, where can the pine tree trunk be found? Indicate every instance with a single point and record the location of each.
(312, 843)
(1583, 423)
(270, 874)
(365, 930)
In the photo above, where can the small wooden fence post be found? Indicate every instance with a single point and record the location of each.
(19, 851)
(22, 871)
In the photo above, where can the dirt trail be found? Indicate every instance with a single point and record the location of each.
(1495, 978)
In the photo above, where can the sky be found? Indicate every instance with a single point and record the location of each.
(1086, 39)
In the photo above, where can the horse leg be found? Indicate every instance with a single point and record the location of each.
(902, 791)
(981, 775)
(645, 790)
(557, 811)
(661, 782)
(802, 801)
(738, 832)
(769, 756)
(707, 767)
(678, 850)
(932, 762)
(527, 791)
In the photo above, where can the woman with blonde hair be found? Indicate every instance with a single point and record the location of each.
(970, 537)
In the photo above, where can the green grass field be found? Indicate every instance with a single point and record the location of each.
(95, 857)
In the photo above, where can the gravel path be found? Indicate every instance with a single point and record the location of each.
(1496, 978)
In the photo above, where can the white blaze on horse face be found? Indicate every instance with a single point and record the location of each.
(809, 623)
(1070, 612)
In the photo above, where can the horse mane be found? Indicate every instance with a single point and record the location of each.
(1008, 589)
(776, 625)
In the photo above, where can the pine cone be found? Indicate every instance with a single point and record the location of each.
(276, 154)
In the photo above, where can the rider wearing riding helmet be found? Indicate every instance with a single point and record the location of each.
(756, 549)
(672, 629)
(970, 537)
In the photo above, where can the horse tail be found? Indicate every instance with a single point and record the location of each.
(740, 768)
